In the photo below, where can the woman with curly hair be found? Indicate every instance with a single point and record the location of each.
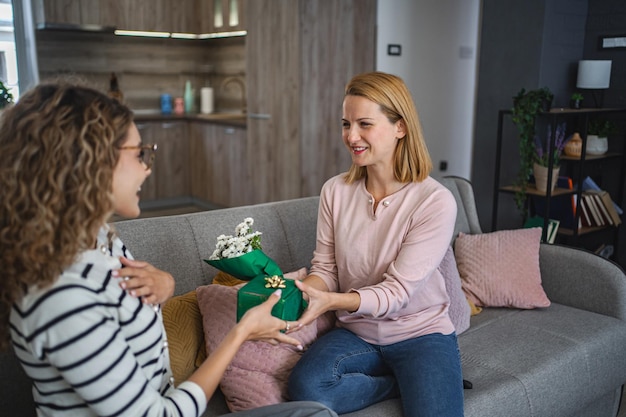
(93, 342)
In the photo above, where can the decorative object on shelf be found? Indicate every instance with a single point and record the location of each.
(526, 106)
(597, 136)
(541, 177)
(596, 145)
(574, 146)
(189, 98)
(166, 104)
(206, 100)
(114, 88)
(6, 98)
(544, 158)
(576, 101)
(179, 106)
(594, 75)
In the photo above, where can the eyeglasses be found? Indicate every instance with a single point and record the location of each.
(146, 153)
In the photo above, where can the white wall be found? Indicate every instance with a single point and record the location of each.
(439, 40)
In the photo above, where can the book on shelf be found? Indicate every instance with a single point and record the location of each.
(607, 206)
(594, 212)
(590, 185)
(551, 231)
(585, 212)
(606, 218)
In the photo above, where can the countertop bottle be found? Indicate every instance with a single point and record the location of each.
(189, 98)
(114, 88)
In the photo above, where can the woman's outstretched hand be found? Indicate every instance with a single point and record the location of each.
(144, 281)
(259, 324)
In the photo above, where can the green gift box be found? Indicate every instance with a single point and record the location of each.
(290, 306)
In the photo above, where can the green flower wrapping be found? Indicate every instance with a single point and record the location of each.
(248, 266)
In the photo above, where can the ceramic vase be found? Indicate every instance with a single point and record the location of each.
(596, 145)
(574, 146)
(541, 177)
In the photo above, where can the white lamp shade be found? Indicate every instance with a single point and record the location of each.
(594, 74)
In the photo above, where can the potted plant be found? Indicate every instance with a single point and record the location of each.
(576, 100)
(526, 106)
(543, 157)
(598, 132)
(6, 98)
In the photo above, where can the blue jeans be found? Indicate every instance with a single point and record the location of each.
(345, 373)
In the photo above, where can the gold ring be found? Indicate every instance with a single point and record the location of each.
(287, 326)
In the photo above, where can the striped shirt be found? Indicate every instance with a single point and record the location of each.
(93, 350)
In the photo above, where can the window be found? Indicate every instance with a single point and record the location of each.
(8, 61)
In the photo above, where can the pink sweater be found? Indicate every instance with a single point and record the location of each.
(390, 257)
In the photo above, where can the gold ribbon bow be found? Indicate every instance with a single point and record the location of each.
(274, 282)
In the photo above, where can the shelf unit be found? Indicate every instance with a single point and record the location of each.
(576, 166)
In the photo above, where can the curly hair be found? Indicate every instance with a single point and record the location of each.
(59, 150)
(412, 161)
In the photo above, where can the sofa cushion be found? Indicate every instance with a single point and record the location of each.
(259, 371)
(459, 309)
(222, 278)
(185, 337)
(501, 269)
(540, 362)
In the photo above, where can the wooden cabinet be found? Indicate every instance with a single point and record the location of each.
(299, 56)
(146, 15)
(184, 16)
(222, 15)
(169, 180)
(83, 12)
(219, 174)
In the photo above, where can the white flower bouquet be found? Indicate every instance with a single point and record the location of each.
(241, 255)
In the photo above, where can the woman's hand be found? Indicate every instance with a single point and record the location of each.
(319, 302)
(322, 301)
(143, 280)
(259, 324)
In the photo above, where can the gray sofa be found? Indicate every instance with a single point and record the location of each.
(565, 360)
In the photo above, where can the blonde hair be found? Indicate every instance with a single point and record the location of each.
(412, 161)
(59, 150)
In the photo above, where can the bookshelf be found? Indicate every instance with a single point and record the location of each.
(576, 168)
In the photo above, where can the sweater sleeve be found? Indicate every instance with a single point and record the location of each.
(323, 264)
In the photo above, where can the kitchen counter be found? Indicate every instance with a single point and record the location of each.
(228, 119)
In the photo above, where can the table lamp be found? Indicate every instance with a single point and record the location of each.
(594, 75)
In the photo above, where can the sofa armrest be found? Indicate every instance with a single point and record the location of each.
(581, 279)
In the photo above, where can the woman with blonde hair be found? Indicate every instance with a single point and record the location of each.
(94, 343)
(383, 229)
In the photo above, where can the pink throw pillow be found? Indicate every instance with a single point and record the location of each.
(258, 374)
(501, 269)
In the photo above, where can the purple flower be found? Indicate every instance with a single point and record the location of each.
(543, 157)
